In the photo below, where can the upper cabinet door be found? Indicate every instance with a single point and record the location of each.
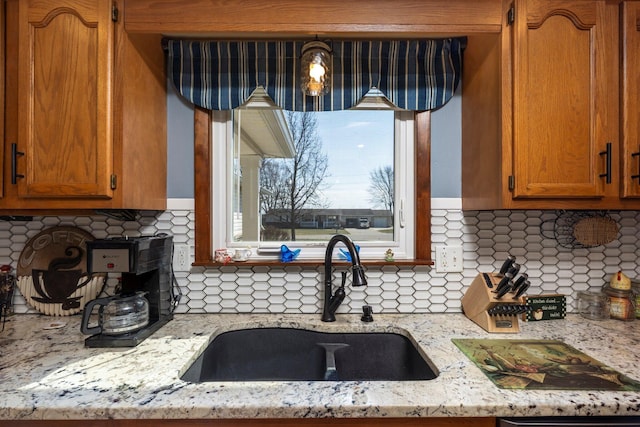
(563, 88)
(64, 97)
(630, 90)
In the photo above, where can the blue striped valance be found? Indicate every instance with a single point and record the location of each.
(221, 75)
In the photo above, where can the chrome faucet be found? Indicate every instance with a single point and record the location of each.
(333, 300)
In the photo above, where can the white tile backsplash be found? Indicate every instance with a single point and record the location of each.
(486, 237)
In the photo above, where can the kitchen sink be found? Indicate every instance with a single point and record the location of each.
(289, 354)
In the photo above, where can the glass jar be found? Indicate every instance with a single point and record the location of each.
(622, 304)
(593, 305)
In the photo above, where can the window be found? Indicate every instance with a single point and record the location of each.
(217, 126)
(299, 178)
(190, 71)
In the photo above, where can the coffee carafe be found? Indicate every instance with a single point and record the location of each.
(117, 315)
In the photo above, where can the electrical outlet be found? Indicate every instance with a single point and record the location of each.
(181, 258)
(448, 259)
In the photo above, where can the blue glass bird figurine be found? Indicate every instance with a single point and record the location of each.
(344, 254)
(287, 255)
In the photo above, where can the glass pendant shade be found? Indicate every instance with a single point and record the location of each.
(315, 68)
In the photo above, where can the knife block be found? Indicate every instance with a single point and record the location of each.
(479, 298)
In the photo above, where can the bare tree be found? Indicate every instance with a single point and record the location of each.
(294, 184)
(381, 187)
(273, 173)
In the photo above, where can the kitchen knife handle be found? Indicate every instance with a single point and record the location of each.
(522, 289)
(506, 265)
(498, 310)
(607, 172)
(504, 282)
(526, 309)
(519, 282)
(505, 289)
(14, 163)
(514, 269)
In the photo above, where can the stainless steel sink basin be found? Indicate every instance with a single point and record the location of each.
(287, 354)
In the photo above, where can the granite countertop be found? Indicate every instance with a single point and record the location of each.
(49, 374)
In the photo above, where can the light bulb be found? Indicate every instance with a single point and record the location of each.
(316, 70)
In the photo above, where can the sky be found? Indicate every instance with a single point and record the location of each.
(356, 142)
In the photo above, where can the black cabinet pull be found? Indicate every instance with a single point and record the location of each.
(607, 174)
(14, 163)
(636, 154)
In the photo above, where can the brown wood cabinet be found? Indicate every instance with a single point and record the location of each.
(541, 110)
(563, 81)
(65, 53)
(86, 109)
(630, 90)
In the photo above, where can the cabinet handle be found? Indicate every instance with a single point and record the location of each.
(14, 163)
(636, 154)
(607, 154)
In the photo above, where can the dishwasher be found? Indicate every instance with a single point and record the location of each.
(569, 422)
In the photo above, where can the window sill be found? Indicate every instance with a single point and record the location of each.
(311, 263)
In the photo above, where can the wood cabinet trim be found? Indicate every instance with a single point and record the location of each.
(203, 207)
(580, 13)
(630, 105)
(362, 18)
(422, 199)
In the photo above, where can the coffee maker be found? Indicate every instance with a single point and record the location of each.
(145, 264)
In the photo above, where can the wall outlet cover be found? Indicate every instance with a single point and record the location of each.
(181, 258)
(448, 259)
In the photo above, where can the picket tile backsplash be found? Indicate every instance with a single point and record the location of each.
(486, 237)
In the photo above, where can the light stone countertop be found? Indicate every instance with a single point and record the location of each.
(49, 374)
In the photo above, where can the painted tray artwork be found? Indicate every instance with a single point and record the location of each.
(52, 272)
(541, 365)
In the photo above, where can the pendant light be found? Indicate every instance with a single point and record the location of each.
(315, 67)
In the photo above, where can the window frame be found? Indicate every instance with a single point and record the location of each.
(402, 245)
(203, 199)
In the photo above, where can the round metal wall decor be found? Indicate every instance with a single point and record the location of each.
(52, 271)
